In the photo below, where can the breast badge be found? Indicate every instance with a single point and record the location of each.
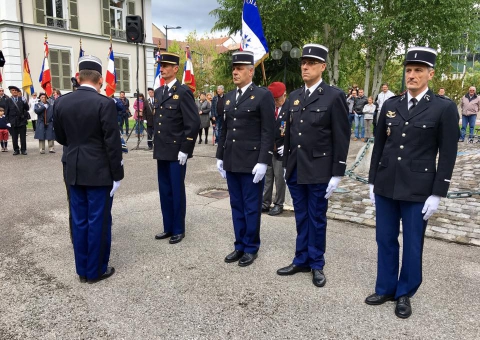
(282, 129)
(176, 96)
(227, 102)
(252, 97)
(296, 102)
(391, 114)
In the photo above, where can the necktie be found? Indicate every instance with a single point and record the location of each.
(307, 94)
(165, 90)
(276, 113)
(414, 103)
(15, 99)
(239, 94)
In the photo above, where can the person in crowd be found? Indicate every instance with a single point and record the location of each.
(3, 99)
(368, 112)
(470, 106)
(406, 180)
(351, 99)
(275, 171)
(33, 116)
(4, 126)
(382, 97)
(244, 152)
(317, 138)
(17, 115)
(360, 102)
(125, 114)
(441, 92)
(86, 122)
(218, 105)
(149, 116)
(204, 107)
(44, 131)
(176, 126)
(138, 106)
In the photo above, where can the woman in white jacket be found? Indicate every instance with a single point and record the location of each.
(33, 115)
(368, 111)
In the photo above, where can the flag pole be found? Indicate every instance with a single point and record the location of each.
(263, 73)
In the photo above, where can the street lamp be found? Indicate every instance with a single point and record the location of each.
(286, 47)
(166, 34)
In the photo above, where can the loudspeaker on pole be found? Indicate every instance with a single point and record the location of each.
(134, 29)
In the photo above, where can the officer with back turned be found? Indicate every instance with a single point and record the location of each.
(176, 125)
(244, 151)
(406, 181)
(86, 122)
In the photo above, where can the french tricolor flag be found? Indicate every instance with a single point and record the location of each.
(111, 78)
(252, 32)
(45, 78)
(188, 75)
(158, 81)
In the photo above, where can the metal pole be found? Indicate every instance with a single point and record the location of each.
(166, 38)
(285, 69)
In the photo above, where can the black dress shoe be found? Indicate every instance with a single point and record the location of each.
(82, 279)
(403, 309)
(163, 235)
(16, 153)
(276, 210)
(247, 259)
(319, 278)
(200, 141)
(234, 256)
(109, 272)
(24, 153)
(176, 238)
(376, 299)
(293, 269)
(265, 209)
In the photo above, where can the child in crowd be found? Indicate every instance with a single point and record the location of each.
(368, 111)
(4, 125)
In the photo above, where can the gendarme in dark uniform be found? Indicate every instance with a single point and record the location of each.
(86, 122)
(406, 181)
(244, 151)
(317, 137)
(176, 125)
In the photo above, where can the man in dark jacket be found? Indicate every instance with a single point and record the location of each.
(149, 116)
(360, 102)
(85, 121)
(406, 181)
(218, 105)
(17, 115)
(275, 171)
(176, 127)
(125, 114)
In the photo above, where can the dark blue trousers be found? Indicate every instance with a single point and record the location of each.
(91, 228)
(171, 184)
(246, 203)
(310, 207)
(389, 214)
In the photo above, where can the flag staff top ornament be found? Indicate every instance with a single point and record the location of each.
(45, 78)
(253, 38)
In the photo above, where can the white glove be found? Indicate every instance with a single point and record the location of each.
(430, 207)
(280, 150)
(372, 195)
(116, 185)
(259, 171)
(9, 125)
(284, 173)
(222, 172)
(182, 158)
(332, 185)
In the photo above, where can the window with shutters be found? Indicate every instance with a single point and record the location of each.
(114, 13)
(122, 70)
(60, 68)
(56, 13)
(61, 14)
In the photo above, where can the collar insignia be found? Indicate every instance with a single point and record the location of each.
(296, 102)
(402, 97)
(391, 114)
(320, 89)
(427, 97)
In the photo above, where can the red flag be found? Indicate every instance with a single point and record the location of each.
(188, 75)
(111, 78)
(45, 76)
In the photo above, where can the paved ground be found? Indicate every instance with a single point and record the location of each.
(186, 291)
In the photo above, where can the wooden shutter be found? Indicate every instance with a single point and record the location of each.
(131, 8)
(73, 7)
(106, 17)
(65, 69)
(125, 75)
(39, 11)
(54, 56)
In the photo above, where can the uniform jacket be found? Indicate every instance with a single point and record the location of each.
(280, 123)
(42, 131)
(470, 107)
(148, 112)
(404, 165)
(86, 122)
(17, 113)
(317, 135)
(248, 130)
(176, 122)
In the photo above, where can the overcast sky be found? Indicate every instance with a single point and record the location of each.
(189, 14)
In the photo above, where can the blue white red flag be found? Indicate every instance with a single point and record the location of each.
(252, 32)
(188, 75)
(158, 81)
(111, 77)
(45, 78)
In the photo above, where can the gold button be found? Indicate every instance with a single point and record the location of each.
(399, 158)
(303, 109)
(426, 169)
(174, 141)
(301, 121)
(406, 123)
(324, 153)
(234, 140)
(158, 132)
(318, 110)
(299, 146)
(403, 135)
(389, 123)
(159, 123)
(255, 148)
(161, 107)
(234, 129)
(424, 126)
(401, 146)
(234, 118)
(161, 116)
(299, 133)
(235, 108)
(248, 110)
